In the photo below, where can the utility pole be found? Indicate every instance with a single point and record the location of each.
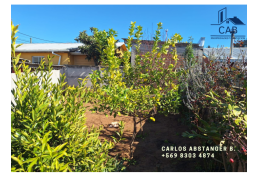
(166, 34)
(231, 43)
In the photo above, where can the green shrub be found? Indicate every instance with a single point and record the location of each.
(217, 109)
(48, 131)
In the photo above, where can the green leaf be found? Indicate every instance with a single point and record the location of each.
(64, 168)
(43, 106)
(58, 148)
(211, 94)
(13, 169)
(114, 139)
(44, 141)
(224, 104)
(213, 104)
(57, 164)
(88, 160)
(45, 126)
(32, 164)
(33, 114)
(213, 131)
(61, 155)
(237, 121)
(202, 129)
(30, 160)
(61, 112)
(206, 125)
(229, 107)
(17, 160)
(49, 150)
(236, 111)
(19, 112)
(118, 133)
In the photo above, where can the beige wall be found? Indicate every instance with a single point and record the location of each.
(64, 57)
(71, 62)
(54, 79)
(80, 60)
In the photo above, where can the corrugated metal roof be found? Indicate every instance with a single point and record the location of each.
(226, 52)
(47, 47)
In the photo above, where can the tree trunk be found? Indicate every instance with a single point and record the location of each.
(224, 162)
(134, 134)
(141, 125)
(96, 62)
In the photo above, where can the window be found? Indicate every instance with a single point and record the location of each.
(37, 59)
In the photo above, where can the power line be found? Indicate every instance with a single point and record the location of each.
(37, 38)
(23, 40)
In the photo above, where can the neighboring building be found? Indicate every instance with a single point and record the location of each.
(33, 66)
(221, 54)
(62, 53)
(146, 46)
(120, 49)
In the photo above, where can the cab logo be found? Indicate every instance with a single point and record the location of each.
(227, 25)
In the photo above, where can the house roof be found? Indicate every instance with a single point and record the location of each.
(56, 47)
(121, 44)
(226, 51)
(48, 47)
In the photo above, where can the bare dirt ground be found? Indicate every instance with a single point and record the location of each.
(165, 131)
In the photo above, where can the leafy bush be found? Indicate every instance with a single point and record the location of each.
(48, 131)
(150, 69)
(217, 104)
(140, 88)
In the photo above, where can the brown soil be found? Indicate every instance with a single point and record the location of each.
(165, 131)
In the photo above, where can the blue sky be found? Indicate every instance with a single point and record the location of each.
(62, 23)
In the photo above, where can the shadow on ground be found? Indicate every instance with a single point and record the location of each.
(165, 131)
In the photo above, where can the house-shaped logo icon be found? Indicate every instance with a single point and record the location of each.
(222, 18)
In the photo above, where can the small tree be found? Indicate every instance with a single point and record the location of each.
(189, 54)
(137, 92)
(190, 40)
(94, 44)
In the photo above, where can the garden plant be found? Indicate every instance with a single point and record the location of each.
(214, 94)
(48, 131)
(139, 89)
